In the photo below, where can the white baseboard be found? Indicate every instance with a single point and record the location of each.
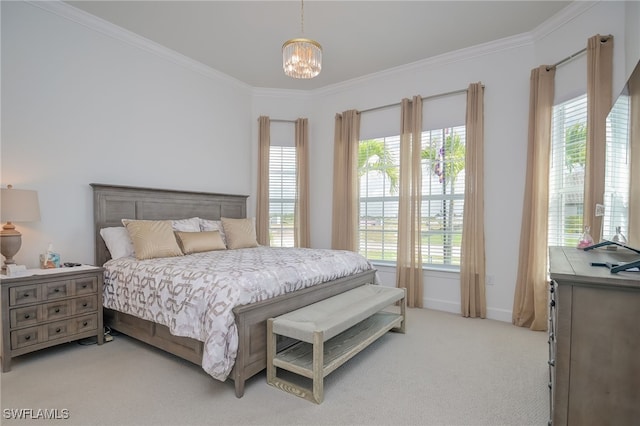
(454, 308)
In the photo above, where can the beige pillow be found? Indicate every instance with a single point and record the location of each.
(196, 242)
(152, 238)
(239, 233)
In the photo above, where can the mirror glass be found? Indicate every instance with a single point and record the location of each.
(618, 167)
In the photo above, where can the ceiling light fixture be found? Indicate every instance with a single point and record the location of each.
(301, 57)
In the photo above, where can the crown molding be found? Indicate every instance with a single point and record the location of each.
(466, 53)
(282, 93)
(560, 19)
(109, 29)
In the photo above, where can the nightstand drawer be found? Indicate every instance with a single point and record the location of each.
(56, 310)
(25, 337)
(57, 289)
(24, 294)
(85, 304)
(24, 316)
(59, 329)
(86, 323)
(87, 285)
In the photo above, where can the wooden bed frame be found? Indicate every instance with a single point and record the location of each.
(113, 203)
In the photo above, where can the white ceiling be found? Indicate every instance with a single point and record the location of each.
(244, 38)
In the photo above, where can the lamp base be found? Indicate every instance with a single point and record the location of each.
(10, 242)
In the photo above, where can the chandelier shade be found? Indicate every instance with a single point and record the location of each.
(301, 58)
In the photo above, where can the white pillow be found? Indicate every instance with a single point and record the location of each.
(118, 242)
(213, 225)
(186, 225)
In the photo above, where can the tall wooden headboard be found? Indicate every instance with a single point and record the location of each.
(112, 203)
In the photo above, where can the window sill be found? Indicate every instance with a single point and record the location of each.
(430, 268)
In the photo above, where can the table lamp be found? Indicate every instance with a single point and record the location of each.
(16, 205)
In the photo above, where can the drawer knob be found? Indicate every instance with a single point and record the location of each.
(58, 330)
(85, 323)
(84, 305)
(27, 337)
(56, 290)
(84, 286)
(57, 310)
(27, 316)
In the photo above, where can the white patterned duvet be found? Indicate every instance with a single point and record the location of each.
(194, 295)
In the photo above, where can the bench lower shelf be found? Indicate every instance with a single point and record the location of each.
(315, 361)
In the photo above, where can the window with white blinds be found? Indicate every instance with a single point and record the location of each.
(282, 195)
(567, 171)
(617, 169)
(442, 196)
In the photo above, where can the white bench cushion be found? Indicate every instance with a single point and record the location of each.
(336, 314)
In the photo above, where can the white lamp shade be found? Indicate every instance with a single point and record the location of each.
(19, 205)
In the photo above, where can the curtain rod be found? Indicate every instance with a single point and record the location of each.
(282, 121)
(440, 95)
(604, 39)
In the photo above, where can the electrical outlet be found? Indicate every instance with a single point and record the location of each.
(489, 279)
(599, 210)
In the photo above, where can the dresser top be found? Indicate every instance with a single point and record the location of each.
(570, 263)
(51, 272)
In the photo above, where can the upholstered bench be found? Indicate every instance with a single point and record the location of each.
(329, 333)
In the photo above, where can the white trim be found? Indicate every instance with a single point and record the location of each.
(109, 29)
(562, 18)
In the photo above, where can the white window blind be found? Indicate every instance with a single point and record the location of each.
(617, 169)
(567, 171)
(282, 195)
(442, 196)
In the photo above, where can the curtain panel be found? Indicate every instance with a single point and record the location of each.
(634, 152)
(345, 181)
(262, 207)
(301, 235)
(409, 260)
(599, 90)
(530, 299)
(472, 263)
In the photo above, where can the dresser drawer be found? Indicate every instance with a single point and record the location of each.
(56, 290)
(24, 294)
(25, 337)
(85, 304)
(21, 317)
(83, 286)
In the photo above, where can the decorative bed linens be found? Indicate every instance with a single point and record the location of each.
(194, 295)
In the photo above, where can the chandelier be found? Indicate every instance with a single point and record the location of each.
(301, 57)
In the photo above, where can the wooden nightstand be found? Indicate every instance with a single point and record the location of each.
(48, 307)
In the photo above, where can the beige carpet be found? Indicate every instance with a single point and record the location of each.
(447, 370)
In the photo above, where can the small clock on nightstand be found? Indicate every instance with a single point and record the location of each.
(46, 307)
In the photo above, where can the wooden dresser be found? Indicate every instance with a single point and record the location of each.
(49, 307)
(594, 339)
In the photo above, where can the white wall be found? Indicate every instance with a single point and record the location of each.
(80, 106)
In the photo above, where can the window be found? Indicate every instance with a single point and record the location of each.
(442, 196)
(567, 171)
(282, 195)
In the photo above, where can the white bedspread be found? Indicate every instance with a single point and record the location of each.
(194, 295)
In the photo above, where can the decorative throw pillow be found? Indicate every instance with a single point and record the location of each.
(186, 225)
(152, 238)
(196, 242)
(240, 233)
(213, 225)
(117, 241)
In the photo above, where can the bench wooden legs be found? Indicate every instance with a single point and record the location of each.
(314, 395)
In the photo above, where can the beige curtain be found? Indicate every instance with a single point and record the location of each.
(472, 263)
(530, 300)
(345, 181)
(634, 147)
(409, 261)
(301, 235)
(262, 208)
(599, 81)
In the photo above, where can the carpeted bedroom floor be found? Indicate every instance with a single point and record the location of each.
(446, 370)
